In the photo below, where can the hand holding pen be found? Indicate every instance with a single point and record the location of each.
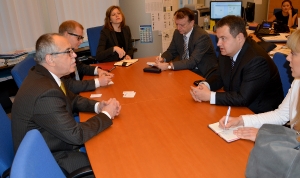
(159, 58)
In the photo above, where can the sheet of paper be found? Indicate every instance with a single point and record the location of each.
(95, 95)
(129, 94)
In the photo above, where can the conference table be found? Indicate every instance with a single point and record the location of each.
(162, 132)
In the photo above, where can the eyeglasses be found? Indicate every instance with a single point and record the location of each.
(69, 51)
(79, 37)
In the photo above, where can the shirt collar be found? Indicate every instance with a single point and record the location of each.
(189, 33)
(235, 56)
(58, 81)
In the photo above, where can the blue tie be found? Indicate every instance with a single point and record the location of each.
(185, 54)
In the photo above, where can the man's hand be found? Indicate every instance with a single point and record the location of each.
(112, 107)
(162, 65)
(200, 93)
(104, 80)
(105, 73)
(159, 59)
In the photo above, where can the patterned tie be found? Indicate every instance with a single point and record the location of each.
(185, 54)
(62, 87)
(232, 62)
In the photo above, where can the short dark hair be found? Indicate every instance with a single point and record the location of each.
(45, 45)
(236, 25)
(69, 26)
(107, 23)
(182, 12)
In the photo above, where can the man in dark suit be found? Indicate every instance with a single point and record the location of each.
(190, 45)
(43, 103)
(246, 72)
(73, 31)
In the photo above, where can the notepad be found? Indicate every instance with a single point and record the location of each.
(225, 134)
(126, 62)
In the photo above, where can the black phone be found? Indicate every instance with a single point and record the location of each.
(264, 28)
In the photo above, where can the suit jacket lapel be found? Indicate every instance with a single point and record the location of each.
(239, 58)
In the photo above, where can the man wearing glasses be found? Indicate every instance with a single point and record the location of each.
(73, 31)
(49, 108)
(191, 47)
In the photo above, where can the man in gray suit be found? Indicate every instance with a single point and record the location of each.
(43, 103)
(73, 31)
(191, 46)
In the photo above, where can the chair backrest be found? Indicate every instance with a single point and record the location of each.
(93, 37)
(34, 159)
(214, 40)
(20, 71)
(279, 9)
(284, 71)
(6, 142)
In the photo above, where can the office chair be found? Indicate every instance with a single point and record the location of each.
(279, 9)
(6, 144)
(93, 37)
(284, 71)
(214, 40)
(34, 159)
(20, 71)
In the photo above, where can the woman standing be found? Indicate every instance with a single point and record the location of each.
(115, 38)
(287, 14)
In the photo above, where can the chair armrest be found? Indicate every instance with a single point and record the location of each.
(81, 172)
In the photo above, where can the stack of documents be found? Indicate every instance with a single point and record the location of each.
(282, 37)
(126, 62)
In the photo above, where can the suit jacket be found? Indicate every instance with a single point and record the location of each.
(108, 40)
(41, 104)
(254, 81)
(77, 86)
(202, 56)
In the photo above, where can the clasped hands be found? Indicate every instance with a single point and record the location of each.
(112, 107)
(121, 52)
(104, 77)
(200, 93)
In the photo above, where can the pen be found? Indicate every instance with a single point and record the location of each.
(111, 69)
(227, 115)
(159, 55)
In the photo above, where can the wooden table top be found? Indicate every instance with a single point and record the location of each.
(162, 131)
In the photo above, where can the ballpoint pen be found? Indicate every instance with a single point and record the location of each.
(227, 115)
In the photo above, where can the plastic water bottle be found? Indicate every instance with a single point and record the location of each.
(206, 23)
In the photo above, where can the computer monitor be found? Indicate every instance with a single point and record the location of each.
(220, 9)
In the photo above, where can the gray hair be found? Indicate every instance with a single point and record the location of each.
(45, 45)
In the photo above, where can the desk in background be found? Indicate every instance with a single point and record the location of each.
(162, 131)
